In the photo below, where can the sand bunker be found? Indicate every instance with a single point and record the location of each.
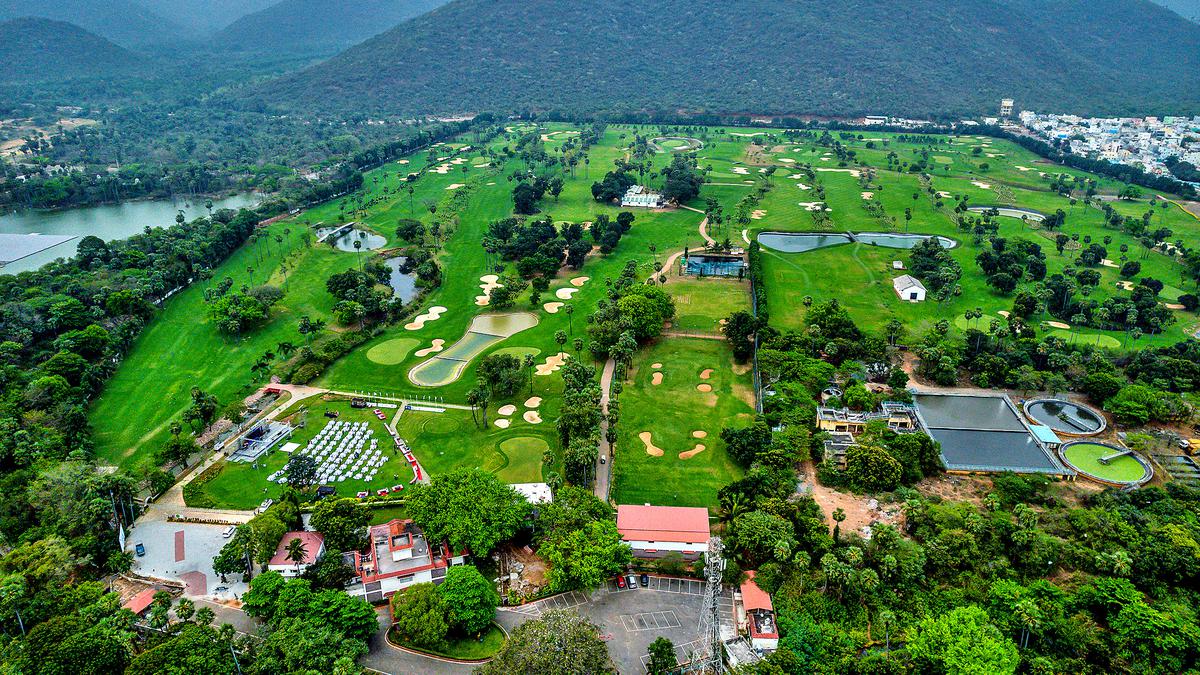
(814, 206)
(579, 281)
(1125, 285)
(1173, 305)
(651, 449)
(742, 135)
(699, 433)
(985, 186)
(552, 307)
(706, 373)
(656, 366)
(758, 214)
(802, 186)
(506, 410)
(402, 161)
(565, 293)
(787, 160)
(1018, 167)
(552, 364)
(490, 283)
(532, 417)
(1058, 324)
(853, 172)
(432, 349)
(692, 453)
(944, 195)
(454, 186)
(503, 423)
(533, 402)
(741, 170)
(431, 314)
(1003, 313)
(868, 195)
(704, 387)
(656, 379)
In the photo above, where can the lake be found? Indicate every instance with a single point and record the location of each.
(111, 221)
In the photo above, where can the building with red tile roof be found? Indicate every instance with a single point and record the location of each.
(654, 531)
(140, 602)
(398, 557)
(314, 548)
(755, 615)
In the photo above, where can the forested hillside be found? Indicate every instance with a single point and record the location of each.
(313, 25)
(125, 22)
(205, 16)
(40, 49)
(1188, 9)
(913, 57)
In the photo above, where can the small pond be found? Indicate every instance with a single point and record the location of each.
(799, 242)
(404, 286)
(894, 240)
(344, 241)
(1011, 212)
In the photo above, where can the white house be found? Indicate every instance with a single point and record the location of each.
(640, 196)
(654, 531)
(399, 556)
(909, 288)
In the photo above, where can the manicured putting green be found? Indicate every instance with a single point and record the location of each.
(1098, 339)
(441, 425)
(391, 352)
(523, 459)
(1086, 458)
(518, 351)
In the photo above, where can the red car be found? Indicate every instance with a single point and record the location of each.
(382, 493)
(397, 488)
(621, 582)
(363, 494)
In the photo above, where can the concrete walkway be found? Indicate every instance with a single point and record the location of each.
(604, 468)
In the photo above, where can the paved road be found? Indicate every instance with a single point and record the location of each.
(604, 468)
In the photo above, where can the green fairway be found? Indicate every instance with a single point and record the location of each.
(701, 304)
(1086, 458)
(391, 352)
(671, 413)
(451, 440)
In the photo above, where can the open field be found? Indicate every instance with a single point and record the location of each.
(669, 451)
(451, 440)
(701, 304)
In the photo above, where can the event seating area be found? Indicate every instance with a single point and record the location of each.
(343, 451)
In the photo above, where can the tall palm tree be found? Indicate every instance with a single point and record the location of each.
(839, 515)
(296, 551)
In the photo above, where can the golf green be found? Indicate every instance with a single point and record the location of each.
(391, 352)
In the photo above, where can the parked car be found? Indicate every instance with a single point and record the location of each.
(139, 549)
(645, 580)
(331, 414)
(620, 581)
(633, 584)
(363, 494)
(326, 491)
(229, 531)
(382, 492)
(397, 488)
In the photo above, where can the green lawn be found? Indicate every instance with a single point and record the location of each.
(671, 412)
(241, 486)
(451, 440)
(701, 304)
(464, 648)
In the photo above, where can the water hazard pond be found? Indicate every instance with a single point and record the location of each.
(800, 242)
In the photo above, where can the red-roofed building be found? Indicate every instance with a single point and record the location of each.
(755, 615)
(654, 531)
(140, 602)
(314, 548)
(399, 557)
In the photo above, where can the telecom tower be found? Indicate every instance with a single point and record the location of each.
(708, 656)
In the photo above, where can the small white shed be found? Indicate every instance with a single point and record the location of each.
(909, 288)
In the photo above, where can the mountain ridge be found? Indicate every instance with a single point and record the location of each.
(770, 56)
(315, 25)
(127, 23)
(35, 49)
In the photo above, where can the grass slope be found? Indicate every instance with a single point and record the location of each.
(41, 49)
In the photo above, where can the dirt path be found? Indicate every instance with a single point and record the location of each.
(704, 233)
(603, 469)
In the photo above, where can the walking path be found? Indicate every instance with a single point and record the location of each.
(603, 468)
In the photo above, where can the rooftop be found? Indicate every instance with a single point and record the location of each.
(534, 493)
(313, 543)
(662, 523)
(138, 603)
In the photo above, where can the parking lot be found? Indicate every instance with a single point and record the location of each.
(631, 618)
(184, 552)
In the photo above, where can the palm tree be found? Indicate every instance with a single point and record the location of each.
(561, 338)
(473, 397)
(529, 361)
(285, 349)
(358, 250)
(296, 552)
(887, 618)
(578, 344)
(569, 310)
(839, 515)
